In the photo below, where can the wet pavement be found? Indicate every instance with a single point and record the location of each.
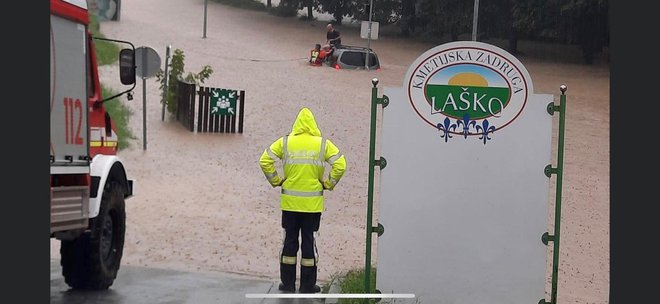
(137, 285)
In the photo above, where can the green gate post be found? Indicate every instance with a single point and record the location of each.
(375, 101)
(559, 173)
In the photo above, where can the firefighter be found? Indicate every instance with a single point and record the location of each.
(315, 55)
(318, 55)
(303, 153)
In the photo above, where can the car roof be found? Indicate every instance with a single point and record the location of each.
(344, 47)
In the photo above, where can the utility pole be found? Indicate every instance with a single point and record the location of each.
(474, 20)
(206, 3)
(371, 8)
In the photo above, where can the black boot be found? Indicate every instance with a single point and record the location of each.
(288, 277)
(285, 288)
(314, 289)
(308, 280)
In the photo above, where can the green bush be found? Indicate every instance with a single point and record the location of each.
(285, 9)
(353, 282)
(120, 116)
(107, 52)
(247, 4)
(176, 72)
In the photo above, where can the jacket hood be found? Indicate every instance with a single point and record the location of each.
(305, 124)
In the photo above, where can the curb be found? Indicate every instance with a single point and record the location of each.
(334, 288)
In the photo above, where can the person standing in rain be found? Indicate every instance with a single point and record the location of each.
(303, 152)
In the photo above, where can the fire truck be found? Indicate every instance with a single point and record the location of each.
(88, 181)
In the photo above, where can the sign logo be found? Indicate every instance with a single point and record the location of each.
(469, 88)
(223, 101)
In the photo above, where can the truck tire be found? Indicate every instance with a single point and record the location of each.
(92, 260)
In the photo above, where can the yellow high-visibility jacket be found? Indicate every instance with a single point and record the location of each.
(303, 153)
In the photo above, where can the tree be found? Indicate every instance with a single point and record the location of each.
(383, 11)
(291, 7)
(311, 6)
(287, 8)
(438, 19)
(428, 19)
(337, 8)
(176, 72)
(408, 17)
(588, 20)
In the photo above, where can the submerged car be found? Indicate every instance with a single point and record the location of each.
(354, 57)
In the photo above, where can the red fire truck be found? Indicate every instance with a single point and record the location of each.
(88, 181)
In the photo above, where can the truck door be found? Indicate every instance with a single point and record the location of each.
(69, 81)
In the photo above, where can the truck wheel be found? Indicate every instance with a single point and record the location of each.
(92, 260)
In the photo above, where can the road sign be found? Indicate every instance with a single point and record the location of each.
(364, 30)
(147, 62)
(223, 101)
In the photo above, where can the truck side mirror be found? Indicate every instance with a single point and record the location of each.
(127, 66)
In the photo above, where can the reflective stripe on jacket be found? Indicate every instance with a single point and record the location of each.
(303, 153)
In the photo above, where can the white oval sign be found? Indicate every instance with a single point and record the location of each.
(468, 87)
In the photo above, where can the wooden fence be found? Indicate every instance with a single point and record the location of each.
(194, 110)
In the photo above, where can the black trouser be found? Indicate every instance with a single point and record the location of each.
(295, 224)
